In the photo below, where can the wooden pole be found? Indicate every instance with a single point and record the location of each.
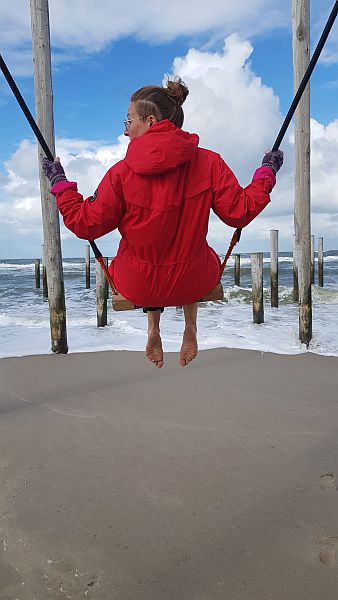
(87, 263)
(295, 272)
(237, 269)
(50, 217)
(108, 286)
(101, 294)
(301, 59)
(44, 274)
(37, 273)
(320, 262)
(312, 258)
(274, 267)
(257, 287)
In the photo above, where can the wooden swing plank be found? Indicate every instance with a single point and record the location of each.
(120, 303)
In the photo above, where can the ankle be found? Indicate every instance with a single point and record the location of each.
(191, 327)
(153, 330)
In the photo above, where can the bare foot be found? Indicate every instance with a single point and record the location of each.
(154, 351)
(189, 346)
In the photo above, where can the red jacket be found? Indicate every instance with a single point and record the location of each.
(159, 197)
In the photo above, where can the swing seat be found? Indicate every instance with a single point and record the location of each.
(121, 303)
(216, 294)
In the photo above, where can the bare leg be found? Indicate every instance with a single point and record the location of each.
(189, 343)
(154, 351)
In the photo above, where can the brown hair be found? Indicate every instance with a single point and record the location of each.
(162, 102)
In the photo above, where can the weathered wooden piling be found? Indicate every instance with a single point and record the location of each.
(301, 59)
(237, 269)
(320, 262)
(274, 267)
(295, 272)
(101, 294)
(37, 273)
(312, 258)
(44, 274)
(50, 217)
(87, 263)
(257, 287)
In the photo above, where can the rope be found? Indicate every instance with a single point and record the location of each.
(107, 274)
(235, 238)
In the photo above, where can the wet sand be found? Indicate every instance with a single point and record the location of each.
(212, 482)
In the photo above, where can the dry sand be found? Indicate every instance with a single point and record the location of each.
(119, 481)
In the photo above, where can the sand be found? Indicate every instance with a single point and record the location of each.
(212, 482)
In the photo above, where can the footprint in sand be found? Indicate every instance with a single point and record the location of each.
(328, 554)
(328, 551)
(328, 482)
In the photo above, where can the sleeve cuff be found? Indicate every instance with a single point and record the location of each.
(265, 173)
(61, 186)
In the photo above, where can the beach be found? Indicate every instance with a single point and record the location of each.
(212, 482)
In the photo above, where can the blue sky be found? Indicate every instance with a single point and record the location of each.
(237, 63)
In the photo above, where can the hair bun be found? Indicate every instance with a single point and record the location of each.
(177, 90)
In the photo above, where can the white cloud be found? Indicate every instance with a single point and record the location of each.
(91, 26)
(236, 115)
(324, 174)
(231, 109)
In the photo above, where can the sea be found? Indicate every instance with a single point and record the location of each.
(25, 329)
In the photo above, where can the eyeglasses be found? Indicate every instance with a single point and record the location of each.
(129, 122)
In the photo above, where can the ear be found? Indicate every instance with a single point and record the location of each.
(152, 120)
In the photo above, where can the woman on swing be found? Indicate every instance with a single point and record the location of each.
(159, 197)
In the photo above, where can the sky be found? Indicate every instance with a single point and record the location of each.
(235, 58)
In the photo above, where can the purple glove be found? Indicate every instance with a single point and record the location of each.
(273, 160)
(53, 171)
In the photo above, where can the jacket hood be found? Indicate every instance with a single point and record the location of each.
(164, 146)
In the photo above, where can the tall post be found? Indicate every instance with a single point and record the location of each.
(257, 287)
(237, 269)
(320, 262)
(44, 273)
(274, 267)
(312, 259)
(87, 262)
(50, 217)
(101, 294)
(37, 273)
(301, 59)
(295, 272)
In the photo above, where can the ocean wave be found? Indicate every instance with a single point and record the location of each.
(22, 321)
(9, 267)
(329, 259)
(322, 295)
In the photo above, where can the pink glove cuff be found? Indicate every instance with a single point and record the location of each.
(61, 186)
(262, 173)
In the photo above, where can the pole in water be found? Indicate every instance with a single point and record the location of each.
(101, 294)
(274, 267)
(87, 264)
(37, 273)
(321, 262)
(257, 287)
